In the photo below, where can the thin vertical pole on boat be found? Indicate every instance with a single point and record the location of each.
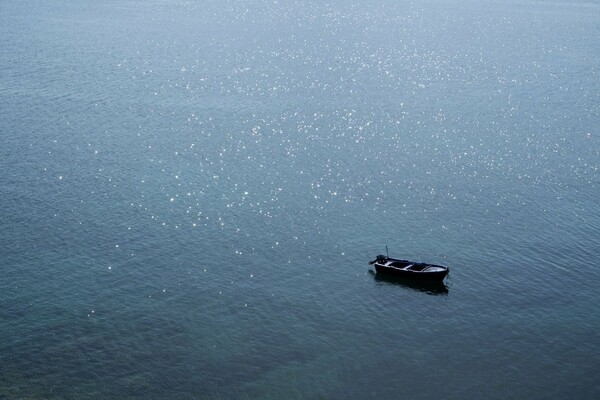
(386, 252)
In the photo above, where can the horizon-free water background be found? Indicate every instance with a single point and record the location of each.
(191, 191)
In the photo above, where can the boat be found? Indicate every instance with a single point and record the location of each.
(409, 269)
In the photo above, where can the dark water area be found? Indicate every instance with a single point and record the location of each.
(191, 192)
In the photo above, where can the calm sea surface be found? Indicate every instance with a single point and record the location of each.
(190, 192)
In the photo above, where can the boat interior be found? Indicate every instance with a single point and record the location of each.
(410, 266)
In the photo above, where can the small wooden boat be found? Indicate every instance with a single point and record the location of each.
(409, 269)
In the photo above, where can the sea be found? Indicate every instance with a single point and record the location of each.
(191, 191)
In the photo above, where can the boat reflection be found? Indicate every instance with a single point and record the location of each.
(432, 288)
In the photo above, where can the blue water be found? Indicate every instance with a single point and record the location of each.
(191, 191)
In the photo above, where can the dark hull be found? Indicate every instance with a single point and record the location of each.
(414, 275)
(425, 286)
